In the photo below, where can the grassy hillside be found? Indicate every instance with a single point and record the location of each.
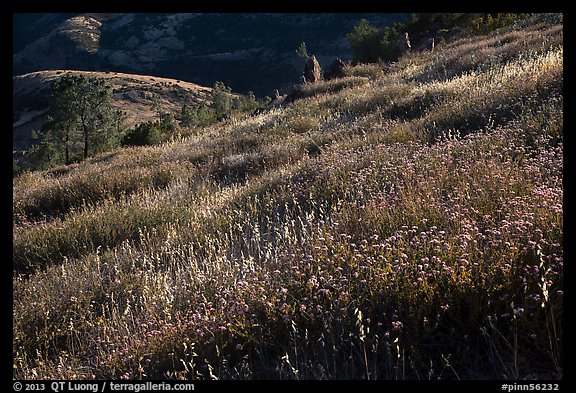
(403, 222)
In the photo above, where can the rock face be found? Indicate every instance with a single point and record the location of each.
(312, 70)
(335, 70)
(404, 44)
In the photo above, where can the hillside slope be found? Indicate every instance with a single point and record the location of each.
(247, 51)
(132, 94)
(398, 223)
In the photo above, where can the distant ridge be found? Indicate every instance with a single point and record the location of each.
(246, 51)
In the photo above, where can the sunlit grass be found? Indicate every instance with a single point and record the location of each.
(391, 225)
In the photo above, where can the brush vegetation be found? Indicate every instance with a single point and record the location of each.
(398, 223)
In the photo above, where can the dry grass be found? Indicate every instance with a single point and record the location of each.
(395, 226)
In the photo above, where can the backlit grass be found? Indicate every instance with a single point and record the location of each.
(392, 225)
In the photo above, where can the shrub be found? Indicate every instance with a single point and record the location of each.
(148, 133)
(491, 22)
(199, 116)
(370, 44)
(222, 100)
(303, 124)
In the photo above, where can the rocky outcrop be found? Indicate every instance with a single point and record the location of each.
(403, 44)
(276, 101)
(312, 70)
(335, 70)
(430, 43)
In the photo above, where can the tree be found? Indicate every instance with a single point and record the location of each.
(157, 106)
(81, 103)
(111, 132)
(118, 117)
(302, 51)
(371, 44)
(222, 101)
(249, 103)
(365, 41)
(424, 25)
(168, 122)
(81, 123)
(53, 134)
(42, 154)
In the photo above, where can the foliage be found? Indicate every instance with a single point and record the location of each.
(83, 124)
(302, 51)
(198, 116)
(166, 120)
(147, 133)
(491, 22)
(224, 104)
(371, 44)
(249, 103)
(222, 100)
(80, 102)
(426, 25)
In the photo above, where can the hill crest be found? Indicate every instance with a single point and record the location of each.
(132, 93)
(247, 51)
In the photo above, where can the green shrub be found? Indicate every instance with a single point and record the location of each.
(491, 22)
(222, 100)
(148, 133)
(199, 116)
(371, 44)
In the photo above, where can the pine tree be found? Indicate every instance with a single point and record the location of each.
(80, 104)
(221, 100)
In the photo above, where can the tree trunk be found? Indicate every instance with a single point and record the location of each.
(85, 129)
(85, 144)
(67, 151)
